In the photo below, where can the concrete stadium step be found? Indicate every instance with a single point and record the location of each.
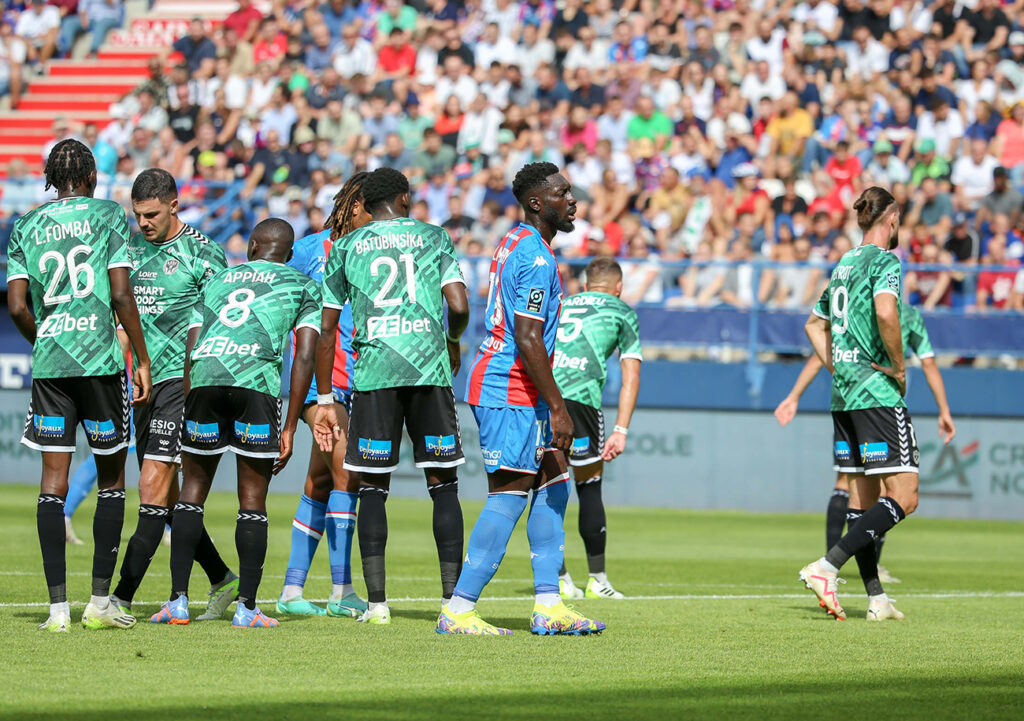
(58, 105)
(137, 55)
(32, 121)
(82, 85)
(93, 68)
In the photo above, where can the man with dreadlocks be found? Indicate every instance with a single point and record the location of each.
(397, 273)
(71, 255)
(328, 501)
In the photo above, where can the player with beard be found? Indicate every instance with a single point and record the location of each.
(525, 428)
(855, 331)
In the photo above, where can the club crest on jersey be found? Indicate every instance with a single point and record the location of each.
(252, 433)
(874, 451)
(535, 301)
(440, 445)
(204, 432)
(370, 449)
(579, 446)
(48, 426)
(100, 430)
(170, 266)
(842, 451)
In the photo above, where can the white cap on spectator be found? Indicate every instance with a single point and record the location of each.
(745, 170)
(738, 124)
(1016, 38)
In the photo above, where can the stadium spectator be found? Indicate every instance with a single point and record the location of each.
(38, 26)
(96, 17)
(245, 21)
(995, 286)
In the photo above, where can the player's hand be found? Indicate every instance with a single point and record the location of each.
(561, 429)
(286, 450)
(786, 411)
(454, 356)
(615, 445)
(142, 385)
(325, 428)
(899, 376)
(947, 430)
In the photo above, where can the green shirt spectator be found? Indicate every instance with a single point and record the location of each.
(650, 123)
(929, 164)
(396, 14)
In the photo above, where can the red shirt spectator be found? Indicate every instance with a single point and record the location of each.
(244, 20)
(995, 286)
(393, 59)
(264, 51)
(844, 169)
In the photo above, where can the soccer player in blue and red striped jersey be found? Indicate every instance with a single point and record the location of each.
(328, 502)
(524, 426)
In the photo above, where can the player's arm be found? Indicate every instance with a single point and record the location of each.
(616, 442)
(326, 429)
(306, 353)
(190, 343)
(458, 318)
(931, 373)
(887, 313)
(17, 304)
(786, 410)
(123, 302)
(529, 335)
(819, 332)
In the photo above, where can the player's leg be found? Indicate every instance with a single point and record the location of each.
(105, 417)
(592, 527)
(341, 523)
(545, 530)
(251, 539)
(308, 528)
(835, 515)
(374, 436)
(433, 425)
(864, 492)
(82, 483)
(587, 466)
(207, 431)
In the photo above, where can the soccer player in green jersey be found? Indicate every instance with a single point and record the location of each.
(394, 272)
(235, 351)
(171, 265)
(915, 338)
(591, 326)
(70, 255)
(855, 331)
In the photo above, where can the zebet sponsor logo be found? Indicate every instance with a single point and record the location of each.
(392, 326)
(220, 345)
(565, 361)
(252, 433)
(440, 445)
(60, 323)
(100, 430)
(370, 449)
(845, 356)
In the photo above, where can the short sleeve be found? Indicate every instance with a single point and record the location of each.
(309, 310)
(535, 278)
(117, 241)
(917, 335)
(16, 268)
(196, 321)
(451, 272)
(211, 261)
(629, 337)
(821, 308)
(885, 275)
(335, 286)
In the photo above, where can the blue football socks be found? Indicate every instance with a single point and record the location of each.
(307, 530)
(487, 544)
(341, 526)
(546, 533)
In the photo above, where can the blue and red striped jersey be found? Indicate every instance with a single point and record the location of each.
(524, 282)
(309, 255)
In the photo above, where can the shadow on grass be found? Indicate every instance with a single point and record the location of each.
(905, 698)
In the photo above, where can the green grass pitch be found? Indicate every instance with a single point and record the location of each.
(719, 628)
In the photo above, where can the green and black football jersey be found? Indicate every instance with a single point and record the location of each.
(392, 272)
(915, 335)
(849, 304)
(245, 316)
(590, 327)
(64, 248)
(168, 280)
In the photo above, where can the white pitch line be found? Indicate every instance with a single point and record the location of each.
(680, 597)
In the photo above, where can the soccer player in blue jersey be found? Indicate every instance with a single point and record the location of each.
(328, 502)
(524, 425)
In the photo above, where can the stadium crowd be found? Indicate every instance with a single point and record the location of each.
(720, 132)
